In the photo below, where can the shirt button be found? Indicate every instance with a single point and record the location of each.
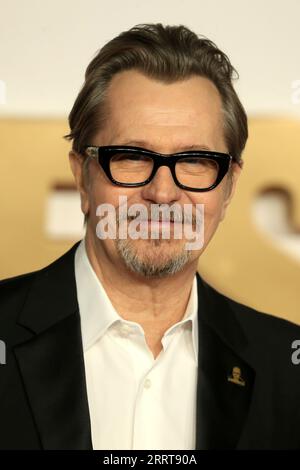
(147, 383)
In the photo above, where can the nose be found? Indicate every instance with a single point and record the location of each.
(162, 189)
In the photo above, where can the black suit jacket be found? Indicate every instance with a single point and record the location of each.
(43, 398)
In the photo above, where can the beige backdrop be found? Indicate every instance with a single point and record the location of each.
(241, 261)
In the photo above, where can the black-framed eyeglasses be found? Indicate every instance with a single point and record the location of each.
(135, 166)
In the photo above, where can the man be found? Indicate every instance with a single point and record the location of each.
(120, 344)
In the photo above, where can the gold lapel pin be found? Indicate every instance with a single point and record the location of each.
(236, 377)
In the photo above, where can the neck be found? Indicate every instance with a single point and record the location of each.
(156, 304)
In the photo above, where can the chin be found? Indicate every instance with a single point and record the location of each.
(154, 257)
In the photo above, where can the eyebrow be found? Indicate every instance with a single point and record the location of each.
(179, 148)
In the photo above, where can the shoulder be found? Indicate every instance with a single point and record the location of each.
(255, 320)
(251, 316)
(15, 286)
(13, 295)
(14, 290)
(259, 327)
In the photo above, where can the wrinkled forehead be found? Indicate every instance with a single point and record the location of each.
(142, 108)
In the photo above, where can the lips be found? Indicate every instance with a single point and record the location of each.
(157, 224)
(158, 221)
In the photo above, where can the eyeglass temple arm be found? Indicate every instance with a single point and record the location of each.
(92, 152)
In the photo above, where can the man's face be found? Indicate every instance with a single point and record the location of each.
(165, 118)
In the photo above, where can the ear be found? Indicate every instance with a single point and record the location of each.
(230, 186)
(76, 164)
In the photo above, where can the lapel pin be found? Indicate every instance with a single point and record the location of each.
(236, 377)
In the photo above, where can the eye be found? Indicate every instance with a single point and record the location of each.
(130, 158)
(127, 167)
(197, 162)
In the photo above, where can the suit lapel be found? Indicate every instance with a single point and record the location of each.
(223, 394)
(51, 362)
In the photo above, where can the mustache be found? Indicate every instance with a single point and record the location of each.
(167, 215)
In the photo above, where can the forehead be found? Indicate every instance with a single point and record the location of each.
(141, 107)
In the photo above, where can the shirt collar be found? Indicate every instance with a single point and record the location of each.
(190, 318)
(96, 310)
(97, 313)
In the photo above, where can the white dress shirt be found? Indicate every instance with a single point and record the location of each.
(136, 401)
